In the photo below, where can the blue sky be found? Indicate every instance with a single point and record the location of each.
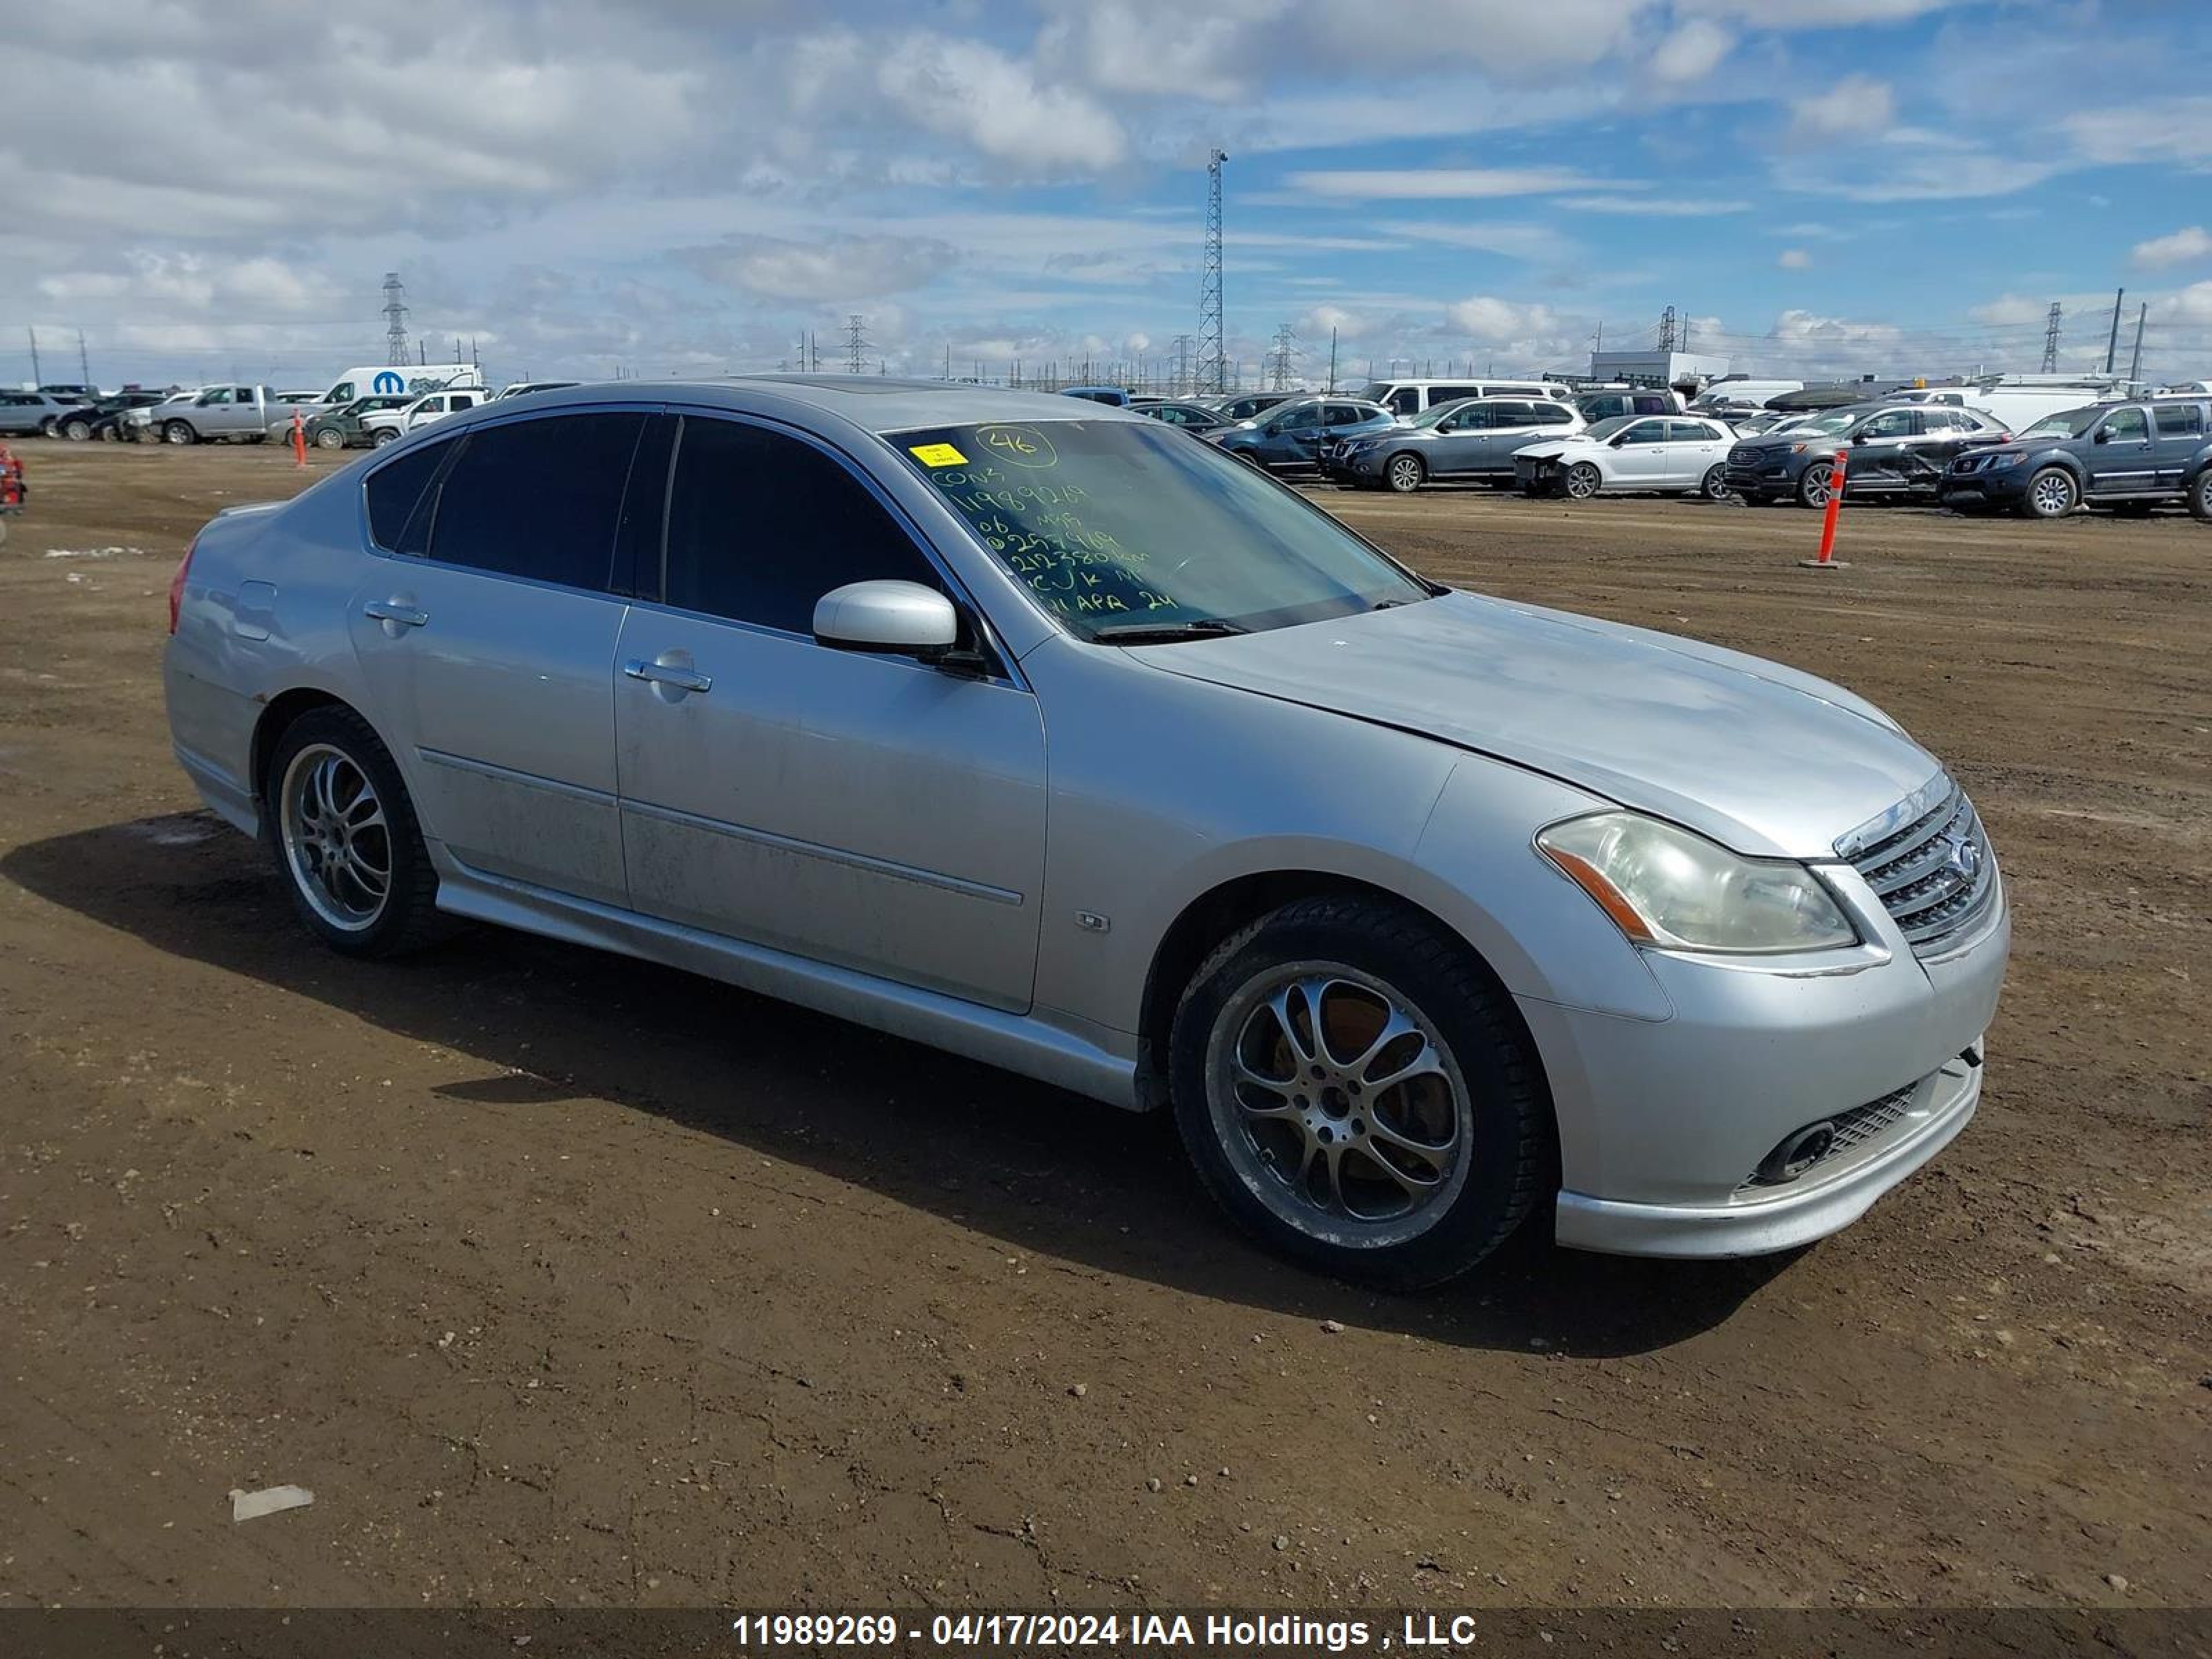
(1819, 185)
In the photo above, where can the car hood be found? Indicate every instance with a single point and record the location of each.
(1559, 446)
(1760, 756)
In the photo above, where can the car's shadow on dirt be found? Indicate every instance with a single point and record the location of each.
(1038, 1169)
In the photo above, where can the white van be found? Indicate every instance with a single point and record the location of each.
(1406, 398)
(389, 380)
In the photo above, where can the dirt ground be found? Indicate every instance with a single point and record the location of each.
(565, 1280)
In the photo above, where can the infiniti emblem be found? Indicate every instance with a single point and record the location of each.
(1965, 857)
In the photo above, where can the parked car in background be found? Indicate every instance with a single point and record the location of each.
(384, 426)
(22, 413)
(1289, 436)
(2014, 407)
(70, 392)
(215, 414)
(1474, 438)
(1737, 391)
(1407, 397)
(2130, 455)
(1113, 397)
(1191, 417)
(1766, 420)
(1670, 453)
(1842, 395)
(1421, 913)
(1243, 405)
(1895, 449)
(523, 388)
(1611, 403)
(342, 428)
(100, 418)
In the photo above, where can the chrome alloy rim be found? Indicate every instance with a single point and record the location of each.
(1819, 480)
(338, 842)
(1583, 480)
(2052, 493)
(1339, 1104)
(1406, 472)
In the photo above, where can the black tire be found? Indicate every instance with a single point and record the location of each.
(407, 918)
(384, 434)
(2050, 493)
(1404, 474)
(1714, 486)
(1582, 481)
(2200, 497)
(179, 432)
(328, 437)
(46, 427)
(1503, 1132)
(76, 430)
(1813, 484)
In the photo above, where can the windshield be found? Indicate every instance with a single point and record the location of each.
(1376, 391)
(1115, 523)
(2066, 424)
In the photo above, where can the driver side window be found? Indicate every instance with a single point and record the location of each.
(761, 525)
(2125, 425)
(1646, 432)
(1895, 424)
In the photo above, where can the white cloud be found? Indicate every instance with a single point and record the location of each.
(1794, 258)
(1858, 105)
(2191, 242)
(1692, 52)
(975, 93)
(1496, 321)
(2171, 130)
(1441, 184)
(1657, 207)
(832, 270)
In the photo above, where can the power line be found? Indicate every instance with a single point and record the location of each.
(856, 343)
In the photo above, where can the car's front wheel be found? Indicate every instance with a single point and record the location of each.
(2052, 494)
(386, 435)
(1583, 480)
(1405, 473)
(76, 430)
(1353, 1088)
(1814, 484)
(179, 432)
(328, 437)
(346, 838)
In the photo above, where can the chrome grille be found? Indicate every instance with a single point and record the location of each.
(1853, 1129)
(1929, 863)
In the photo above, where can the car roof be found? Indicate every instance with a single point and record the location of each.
(874, 402)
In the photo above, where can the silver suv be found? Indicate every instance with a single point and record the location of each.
(1033, 730)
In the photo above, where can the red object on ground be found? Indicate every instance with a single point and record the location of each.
(11, 479)
(1835, 508)
(298, 439)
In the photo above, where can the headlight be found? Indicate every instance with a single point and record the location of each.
(1665, 887)
(1996, 461)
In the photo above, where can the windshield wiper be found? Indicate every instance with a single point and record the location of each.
(1198, 628)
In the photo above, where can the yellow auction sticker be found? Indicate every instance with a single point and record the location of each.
(937, 455)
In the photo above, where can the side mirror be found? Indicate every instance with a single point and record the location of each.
(904, 618)
(2104, 435)
(1617, 440)
(1858, 438)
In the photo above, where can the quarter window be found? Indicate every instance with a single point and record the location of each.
(538, 499)
(2178, 420)
(394, 490)
(761, 525)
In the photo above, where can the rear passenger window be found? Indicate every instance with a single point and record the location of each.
(2178, 420)
(761, 525)
(393, 491)
(1513, 414)
(538, 498)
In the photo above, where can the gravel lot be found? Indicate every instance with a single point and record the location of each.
(561, 1279)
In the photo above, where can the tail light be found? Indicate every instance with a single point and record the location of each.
(177, 582)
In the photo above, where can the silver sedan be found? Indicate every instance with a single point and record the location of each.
(1032, 730)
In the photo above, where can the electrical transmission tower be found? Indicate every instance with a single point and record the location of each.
(1183, 381)
(1279, 359)
(856, 344)
(1213, 348)
(395, 319)
(2051, 341)
(1667, 329)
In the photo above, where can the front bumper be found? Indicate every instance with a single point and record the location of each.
(2004, 486)
(1664, 1124)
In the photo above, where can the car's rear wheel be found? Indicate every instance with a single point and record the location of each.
(1404, 473)
(1815, 485)
(179, 432)
(328, 437)
(1714, 486)
(1583, 480)
(345, 836)
(76, 430)
(2052, 494)
(1354, 1090)
(2200, 496)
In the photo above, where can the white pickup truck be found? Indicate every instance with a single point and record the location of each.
(216, 414)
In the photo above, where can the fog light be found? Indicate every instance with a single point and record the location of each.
(1799, 1153)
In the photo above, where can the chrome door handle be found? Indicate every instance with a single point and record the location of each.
(683, 679)
(392, 610)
